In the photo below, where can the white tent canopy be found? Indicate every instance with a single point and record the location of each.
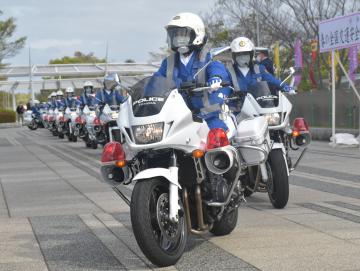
(129, 73)
(78, 69)
(54, 84)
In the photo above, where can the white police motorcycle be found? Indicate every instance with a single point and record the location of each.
(187, 178)
(259, 101)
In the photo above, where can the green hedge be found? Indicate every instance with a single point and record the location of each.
(7, 116)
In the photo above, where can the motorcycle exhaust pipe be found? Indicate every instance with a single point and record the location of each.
(112, 175)
(220, 160)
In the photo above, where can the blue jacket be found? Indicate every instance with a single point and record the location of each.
(268, 64)
(72, 102)
(114, 98)
(251, 78)
(87, 100)
(60, 104)
(35, 110)
(186, 73)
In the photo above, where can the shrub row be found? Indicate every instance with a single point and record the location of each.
(7, 116)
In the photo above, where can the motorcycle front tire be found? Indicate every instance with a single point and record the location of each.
(146, 227)
(279, 195)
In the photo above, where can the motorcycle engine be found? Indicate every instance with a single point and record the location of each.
(219, 187)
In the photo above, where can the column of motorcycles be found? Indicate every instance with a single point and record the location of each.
(91, 122)
(188, 178)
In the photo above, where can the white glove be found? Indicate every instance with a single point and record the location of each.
(292, 92)
(215, 82)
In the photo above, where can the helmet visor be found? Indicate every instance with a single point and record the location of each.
(180, 36)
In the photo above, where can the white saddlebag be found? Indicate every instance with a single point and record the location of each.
(253, 140)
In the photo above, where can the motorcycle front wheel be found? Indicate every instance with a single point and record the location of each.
(278, 188)
(33, 125)
(161, 240)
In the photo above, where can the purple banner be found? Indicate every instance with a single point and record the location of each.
(298, 60)
(353, 61)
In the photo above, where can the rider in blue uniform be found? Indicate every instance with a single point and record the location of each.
(53, 100)
(35, 108)
(109, 95)
(88, 96)
(186, 39)
(244, 72)
(60, 101)
(70, 101)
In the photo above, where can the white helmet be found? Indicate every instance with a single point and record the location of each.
(59, 93)
(186, 31)
(69, 90)
(49, 97)
(242, 50)
(88, 87)
(53, 94)
(88, 84)
(36, 102)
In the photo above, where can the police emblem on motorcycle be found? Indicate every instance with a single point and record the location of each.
(242, 43)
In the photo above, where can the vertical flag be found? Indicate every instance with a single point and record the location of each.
(277, 58)
(314, 46)
(298, 61)
(353, 61)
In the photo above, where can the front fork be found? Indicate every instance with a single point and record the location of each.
(174, 189)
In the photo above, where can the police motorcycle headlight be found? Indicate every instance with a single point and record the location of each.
(148, 133)
(272, 118)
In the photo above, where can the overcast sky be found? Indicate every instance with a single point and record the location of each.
(58, 28)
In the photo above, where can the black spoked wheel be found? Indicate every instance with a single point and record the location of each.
(278, 183)
(161, 240)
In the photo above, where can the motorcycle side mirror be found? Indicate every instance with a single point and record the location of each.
(291, 75)
(216, 54)
(222, 54)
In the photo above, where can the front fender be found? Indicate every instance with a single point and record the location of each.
(171, 174)
(277, 145)
(280, 146)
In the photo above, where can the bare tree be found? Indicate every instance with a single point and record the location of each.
(283, 20)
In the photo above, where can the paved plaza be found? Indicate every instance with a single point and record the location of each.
(57, 214)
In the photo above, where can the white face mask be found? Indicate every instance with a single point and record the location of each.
(183, 50)
(242, 60)
(258, 58)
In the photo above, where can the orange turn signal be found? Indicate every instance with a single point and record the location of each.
(295, 133)
(198, 153)
(120, 163)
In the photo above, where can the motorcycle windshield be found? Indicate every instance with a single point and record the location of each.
(262, 94)
(149, 95)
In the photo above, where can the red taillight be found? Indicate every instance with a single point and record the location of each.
(300, 125)
(61, 119)
(216, 138)
(51, 118)
(79, 120)
(113, 151)
(97, 121)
